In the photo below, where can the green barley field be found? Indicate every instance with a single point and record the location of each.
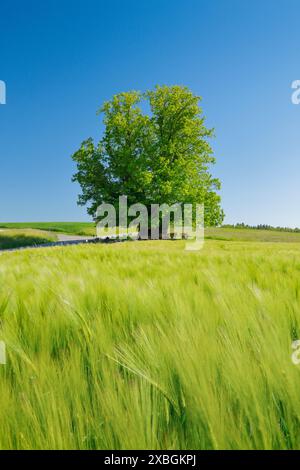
(143, 345)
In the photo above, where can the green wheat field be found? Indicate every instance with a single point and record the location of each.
(143, 345)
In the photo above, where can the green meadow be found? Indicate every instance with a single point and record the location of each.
(143, 345)
(215, 233)
(15, 238)
(74, 228)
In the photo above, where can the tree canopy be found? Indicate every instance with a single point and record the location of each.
(155, 157)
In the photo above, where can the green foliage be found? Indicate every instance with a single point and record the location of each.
(163, 157)
(142, 345)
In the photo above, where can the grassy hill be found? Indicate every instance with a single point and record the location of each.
(145, 345)
(75, 228)
(10, 238)
(220, 233)
(255, 235)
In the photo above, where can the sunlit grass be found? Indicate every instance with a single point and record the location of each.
(22, 238)
(219, 233)
(75, 228)
(145, 345)
(234, 234)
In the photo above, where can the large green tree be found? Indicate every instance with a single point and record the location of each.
(160, 157)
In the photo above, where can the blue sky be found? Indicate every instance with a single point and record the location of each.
(61, 59)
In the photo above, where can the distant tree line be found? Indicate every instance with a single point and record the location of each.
(262, 227)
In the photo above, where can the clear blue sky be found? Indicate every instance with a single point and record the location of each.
(62, 59)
